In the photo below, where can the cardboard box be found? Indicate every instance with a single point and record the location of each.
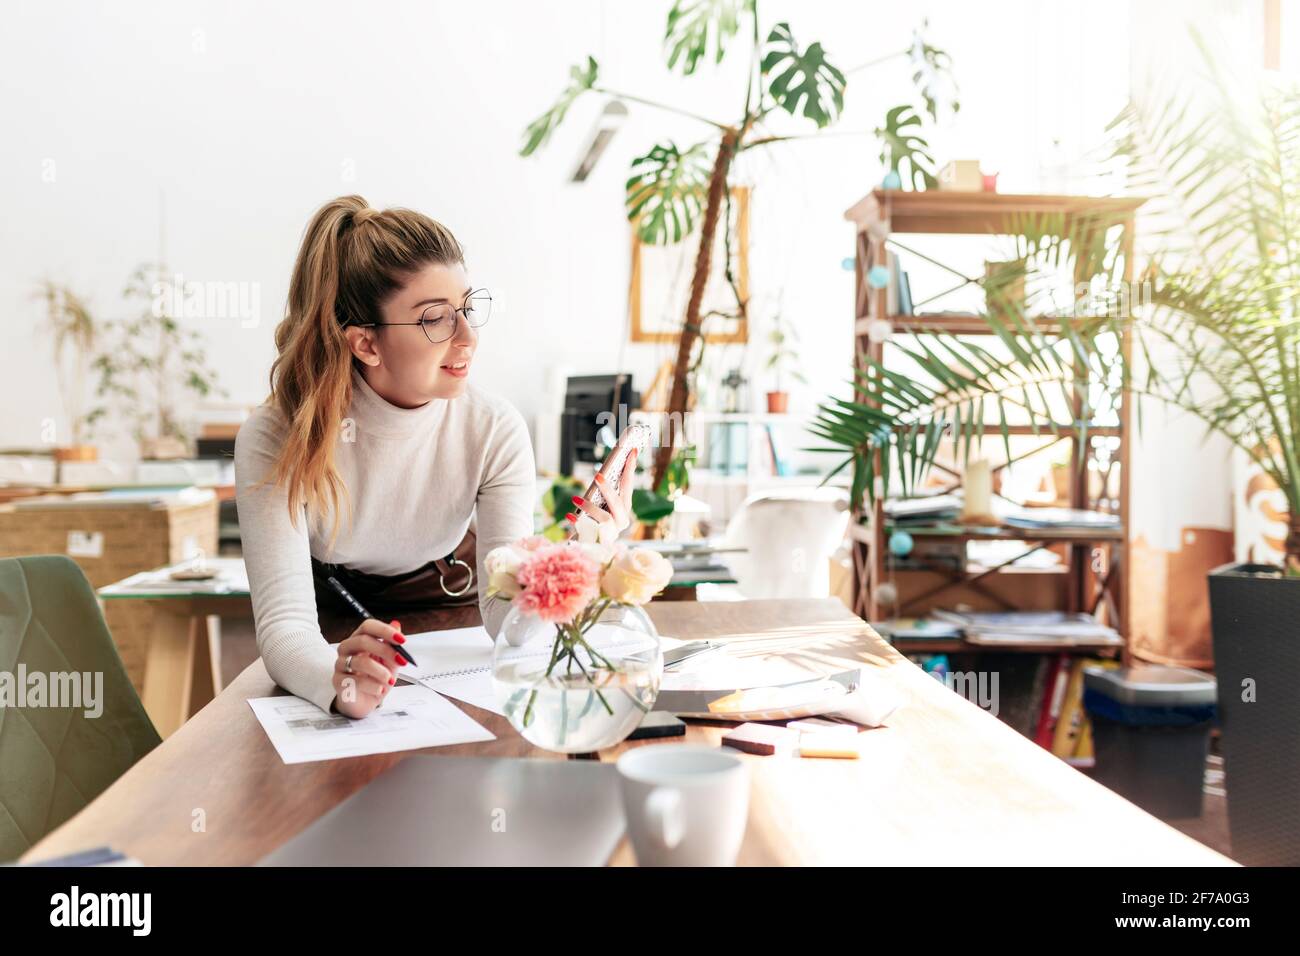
(961, 175)
(110, 542)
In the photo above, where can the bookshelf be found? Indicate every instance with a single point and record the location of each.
(1091, 576)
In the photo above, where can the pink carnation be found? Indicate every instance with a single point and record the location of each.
(558, 582)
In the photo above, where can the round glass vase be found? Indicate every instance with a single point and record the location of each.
(575, 688)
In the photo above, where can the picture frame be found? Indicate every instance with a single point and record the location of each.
(661, 276)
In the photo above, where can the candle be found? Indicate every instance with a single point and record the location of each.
(978, 484)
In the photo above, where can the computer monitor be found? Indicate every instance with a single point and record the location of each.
(586, 399)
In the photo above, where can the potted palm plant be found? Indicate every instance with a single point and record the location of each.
(1226, 291)
(1221, 342)
(1056, 375)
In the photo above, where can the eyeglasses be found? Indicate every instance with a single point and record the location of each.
(439, 321)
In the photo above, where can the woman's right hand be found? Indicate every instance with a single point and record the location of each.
(374, 667)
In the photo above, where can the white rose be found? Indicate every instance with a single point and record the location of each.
(636, 576)
(502, 566)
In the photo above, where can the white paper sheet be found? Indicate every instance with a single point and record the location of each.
(719, 670)
(410, 718)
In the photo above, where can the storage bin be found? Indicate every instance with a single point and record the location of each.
(1151, 732)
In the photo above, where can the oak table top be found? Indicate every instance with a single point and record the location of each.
(945, 782)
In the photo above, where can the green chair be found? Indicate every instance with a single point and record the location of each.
(55, 760)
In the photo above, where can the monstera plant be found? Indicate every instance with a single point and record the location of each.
(671, 189)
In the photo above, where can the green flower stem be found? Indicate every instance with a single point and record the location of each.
(568, 637)
(532, 696)
(595, 655)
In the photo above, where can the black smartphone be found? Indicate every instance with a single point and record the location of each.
(658, 723)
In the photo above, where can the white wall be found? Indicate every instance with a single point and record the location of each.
(245, 116)
(1182, 476)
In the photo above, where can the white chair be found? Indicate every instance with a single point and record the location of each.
(790, 535)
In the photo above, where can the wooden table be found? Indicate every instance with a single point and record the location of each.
(182, 671)
(944, 783)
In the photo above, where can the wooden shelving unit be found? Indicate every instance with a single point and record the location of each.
(1095, 561)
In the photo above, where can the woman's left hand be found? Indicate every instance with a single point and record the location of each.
(619, 503)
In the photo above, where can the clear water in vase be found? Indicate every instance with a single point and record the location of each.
(591, 701)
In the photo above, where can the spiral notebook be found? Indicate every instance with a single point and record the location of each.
(455, 662)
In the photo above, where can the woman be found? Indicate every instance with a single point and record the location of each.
(374, 452)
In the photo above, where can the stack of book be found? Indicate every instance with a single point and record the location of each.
(1062, 519)
(1063, 726)
(923, 510)
(916, 628)
(695, 561)
(993, 628)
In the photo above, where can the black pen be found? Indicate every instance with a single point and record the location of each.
(357, 606)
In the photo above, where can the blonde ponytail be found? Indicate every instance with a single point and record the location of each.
(351, 260)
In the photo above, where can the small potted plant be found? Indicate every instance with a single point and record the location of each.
(782, 360)
(143, 362)
(74, 330)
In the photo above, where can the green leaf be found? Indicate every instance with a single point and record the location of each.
(649, 507)
(557, 500)
(932, 73)
(667, 192)
(901, 142)
(581, 79)
(804, 81)
(695, 25)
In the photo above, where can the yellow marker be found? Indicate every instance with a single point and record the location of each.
(829, 744)
(728, 704)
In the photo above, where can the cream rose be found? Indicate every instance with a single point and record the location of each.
(636, 576)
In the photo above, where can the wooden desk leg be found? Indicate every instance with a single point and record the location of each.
(205, 681)
(178, 675)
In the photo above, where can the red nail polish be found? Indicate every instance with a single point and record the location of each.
(398, 639)
(577, 500)
(392, 681)
(395, 625)
(401, 662)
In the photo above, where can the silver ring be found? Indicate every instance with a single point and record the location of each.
(469, 581)
(347, 664)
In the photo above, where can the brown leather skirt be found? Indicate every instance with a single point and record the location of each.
(445, 582)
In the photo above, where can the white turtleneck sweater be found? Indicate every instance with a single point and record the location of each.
(414, 477)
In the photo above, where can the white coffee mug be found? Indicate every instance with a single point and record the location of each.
(685, 804)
